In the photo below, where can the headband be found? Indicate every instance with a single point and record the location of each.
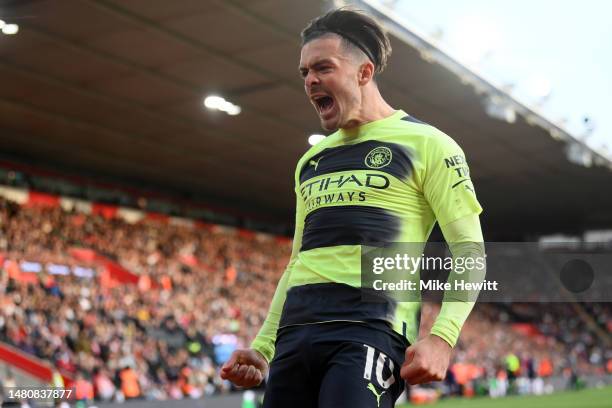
(356, 43)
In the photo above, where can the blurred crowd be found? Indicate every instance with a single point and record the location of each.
(528, 348)
(146, 340)
(202, 292)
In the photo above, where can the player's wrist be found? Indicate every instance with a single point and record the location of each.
(260, 355)
(261, 359)
(263, 348)
(440, 341)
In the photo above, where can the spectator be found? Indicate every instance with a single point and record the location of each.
(203, 292)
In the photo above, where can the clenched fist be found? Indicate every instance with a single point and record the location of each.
(245, 368)
(427, 360)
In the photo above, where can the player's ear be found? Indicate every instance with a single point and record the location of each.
(366, 72)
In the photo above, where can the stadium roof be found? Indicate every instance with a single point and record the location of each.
(114, 88)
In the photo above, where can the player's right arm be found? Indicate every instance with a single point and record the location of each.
(248, 367)
(264, 342)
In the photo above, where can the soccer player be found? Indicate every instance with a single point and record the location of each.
(381, 177)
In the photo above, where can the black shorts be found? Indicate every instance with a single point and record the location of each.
(335, 365)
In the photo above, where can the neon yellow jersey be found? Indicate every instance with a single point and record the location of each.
(383, 182)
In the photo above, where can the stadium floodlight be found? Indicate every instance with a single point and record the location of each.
(215, 102)
(314, 139)
(10, 29)
(233, 110)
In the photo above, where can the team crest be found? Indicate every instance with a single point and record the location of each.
(378, 157)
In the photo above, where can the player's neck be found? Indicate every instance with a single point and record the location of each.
(373, 107)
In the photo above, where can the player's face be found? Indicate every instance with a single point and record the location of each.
(331, 81)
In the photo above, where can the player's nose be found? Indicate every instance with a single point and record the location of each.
(309, 80)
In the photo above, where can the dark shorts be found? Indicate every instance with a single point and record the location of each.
(335, 365)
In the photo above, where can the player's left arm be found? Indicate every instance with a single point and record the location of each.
(428, 359)
(449, 190)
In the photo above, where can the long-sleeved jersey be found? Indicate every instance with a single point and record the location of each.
(386, 181)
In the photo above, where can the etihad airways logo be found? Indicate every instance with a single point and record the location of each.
(344, 198)
(368, 180)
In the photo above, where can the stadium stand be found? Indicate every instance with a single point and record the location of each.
(203, 272)
(139, 297)
(150, 308)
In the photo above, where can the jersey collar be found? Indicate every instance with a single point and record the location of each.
(358, 131)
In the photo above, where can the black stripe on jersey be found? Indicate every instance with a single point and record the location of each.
(320, 302)
(353, 157)
(349, 225)
(358, 315)
(409, 118)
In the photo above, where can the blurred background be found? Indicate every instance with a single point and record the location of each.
(147, 153)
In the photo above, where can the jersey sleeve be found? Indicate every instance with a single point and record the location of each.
(464, 238)
(266, 338)
(447, 186)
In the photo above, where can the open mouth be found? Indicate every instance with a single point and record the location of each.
(324, 104)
